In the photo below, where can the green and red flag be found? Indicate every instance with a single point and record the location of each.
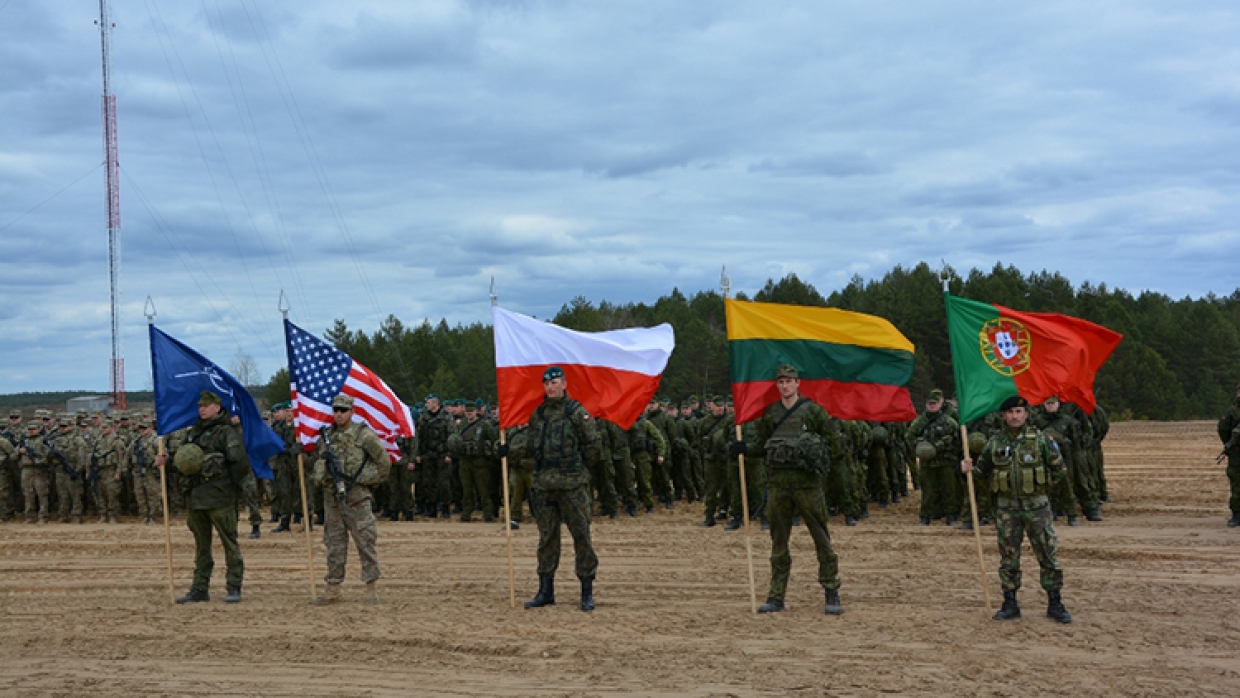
(856, 366)
(999, 353)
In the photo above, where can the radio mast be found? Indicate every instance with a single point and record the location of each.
(112, 180)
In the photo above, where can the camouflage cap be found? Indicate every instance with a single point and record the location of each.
(266, 414)
(1052, 398)
(935, 395)
(43, 414)
(33, 425)
(123, 416)
(96, 413)
(787, 371)
(686, 405)
(552, 373)
(81, 413)
(15, 413)
(717, 399)
(145, 424)
(342, 400)
(208, 398)
(65, 421)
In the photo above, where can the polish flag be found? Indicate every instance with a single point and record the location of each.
(612, 374)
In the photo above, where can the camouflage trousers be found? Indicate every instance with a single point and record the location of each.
(223, 520)
(36, 487)
(626, 485)
(356, 520)
(837, 489)
(603, 477)
(109, 497)
(798, 492)
(400, 498)
(644, 474)
(1233, 477)
(982, 493)
(1099, 467)
(476, 487)
(682, 476)
(150, 498)
(250, 498)
(572, 508)
(69, 493)
(288, 487)
(1013, 521)
(877, 482)
(755, 486)
(939, 492)
(1084, 481)
(661, 478)
(716, 481)
(520, 477)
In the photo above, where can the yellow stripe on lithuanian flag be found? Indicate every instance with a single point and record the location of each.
(857, 366)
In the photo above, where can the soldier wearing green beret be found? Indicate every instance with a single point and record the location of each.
(714, 436)
(433, 475)
(211, 487)
(1023, 464)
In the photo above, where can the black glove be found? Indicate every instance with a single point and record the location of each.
(737, 448)
(501, 450)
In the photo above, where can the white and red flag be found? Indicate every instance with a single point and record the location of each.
(318, 372)
(612, 374)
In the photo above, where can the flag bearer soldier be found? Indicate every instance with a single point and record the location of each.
(1023, 464)
(796, 436)
(562, 441)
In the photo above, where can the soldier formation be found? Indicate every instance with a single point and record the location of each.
(67, 467)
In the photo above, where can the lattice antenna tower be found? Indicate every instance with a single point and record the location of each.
(112, 181)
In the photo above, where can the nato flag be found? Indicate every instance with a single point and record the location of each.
(181, 374)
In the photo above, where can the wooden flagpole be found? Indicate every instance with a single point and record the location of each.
(726, 284)
(306, 517)
(512, 574)
(977, 529)
(163, 490)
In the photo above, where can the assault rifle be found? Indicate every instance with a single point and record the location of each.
(64, 461)
(94, 474)
(341, 484)
(141, 452)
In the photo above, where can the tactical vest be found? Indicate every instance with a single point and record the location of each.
(1020, 469)
(557, 445)
(792, 446)
(472, 441)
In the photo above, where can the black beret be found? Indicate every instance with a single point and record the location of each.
(1014, 401)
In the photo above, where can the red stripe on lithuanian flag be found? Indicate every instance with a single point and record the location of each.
(856, 366)
(999, 353)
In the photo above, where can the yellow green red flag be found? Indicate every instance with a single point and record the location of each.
(857, 366)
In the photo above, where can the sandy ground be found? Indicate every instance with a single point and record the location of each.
(1154, 591)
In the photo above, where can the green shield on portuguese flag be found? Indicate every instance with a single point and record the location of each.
(998, 352)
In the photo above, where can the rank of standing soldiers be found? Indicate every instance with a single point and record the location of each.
(71, 468)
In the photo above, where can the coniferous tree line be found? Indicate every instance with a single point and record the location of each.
(1180, 359)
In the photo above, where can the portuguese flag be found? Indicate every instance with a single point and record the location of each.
(999, 353)
(856, 366)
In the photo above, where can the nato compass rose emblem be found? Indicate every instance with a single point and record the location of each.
(1005, 345)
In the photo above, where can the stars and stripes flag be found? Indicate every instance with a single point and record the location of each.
(318, 372)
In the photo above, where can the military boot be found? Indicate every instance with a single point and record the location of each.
(850, 520)
(282, 527)
(1093, 515)
(372, 593)
(966, 525)
(1055, 609)
(587, 594)
(950, 520)
(631, 510)
(194, 595)
(1234, 520)
(331, 594)
(255, 532)
(77, 519)
(772, 605)
(63, 519)
(733, 524)
(834, 607)
(233, 596)
(1072, 521)
(296, 518)
(1010, 609)
(710, 521)
(546, 593)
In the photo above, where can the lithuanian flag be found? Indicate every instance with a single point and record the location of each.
(856, 366)
(999, 353)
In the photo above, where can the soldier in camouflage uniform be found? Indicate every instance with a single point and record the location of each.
(1229, 434)
(714, 436)
(400, 480)
(837, 480)
(796, 436)
(755, 480)
(661, 468)
(981, 430)
(603, 474)
(474, 447)
(107, 461)
(562, 441)
(648, 450)
(284, 466)
(140, 464)
(939, 494)
(435, 484)
(1101, 424)
(210, 492)
(70, 463)
(520, 471)
(622, 464)
(32, 455)
(363, 463)
(10, 471)
(1023, 463)
(1065, 424)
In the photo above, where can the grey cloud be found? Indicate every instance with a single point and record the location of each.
(828, 165)
(373, 43)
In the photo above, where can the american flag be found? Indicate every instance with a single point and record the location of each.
(318, 372)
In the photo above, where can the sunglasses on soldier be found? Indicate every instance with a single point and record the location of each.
(342, 409)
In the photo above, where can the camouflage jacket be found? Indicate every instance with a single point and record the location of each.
(942, 431)
(474, 439)
(562, 441)
(433, 431)
(75, 450)
(361, 456)
(225, 464)
(140, 460)
(108, 451)
(1024, 463)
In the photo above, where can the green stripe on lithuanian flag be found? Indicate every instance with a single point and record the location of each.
(856, 366)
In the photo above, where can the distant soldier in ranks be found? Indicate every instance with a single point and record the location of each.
(661, 468)
(837, 480)
(981, 430)
(647, 447)
(1023, 463)
(472, 446)
(127, 432)
(284, 467)
(140, 464)
(755, 480)
(603, 473)
(10, 470)
(107, 463)
(520, 472)
(1101, 424)
(36, 476)
(876, 476)
(622, 464)
(70, 461)
(1229, 433)
(400, 498)
(937, 436)
(1084, 481)
(715, 437)
(897, 469)
(683, 455)
(796, 436)
(1062, 426)
(433, 460)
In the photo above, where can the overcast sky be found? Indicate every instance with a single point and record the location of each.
(375, 158)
